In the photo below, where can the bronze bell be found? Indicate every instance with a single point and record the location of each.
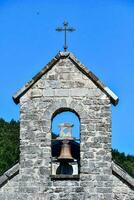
(65, 153)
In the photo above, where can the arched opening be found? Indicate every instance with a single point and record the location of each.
(65, 148)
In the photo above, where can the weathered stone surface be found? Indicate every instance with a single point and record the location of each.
(73, 96)
(64, 74)
(122, 190)
(10, 189)
(12, 171)
(123, 184)
(3, 179)
(63, 87)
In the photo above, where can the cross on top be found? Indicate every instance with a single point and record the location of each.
(65, 29)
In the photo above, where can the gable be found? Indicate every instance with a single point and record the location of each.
(68, 68)
(64, 80)
(64, 75)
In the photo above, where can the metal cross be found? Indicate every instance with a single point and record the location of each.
(65, 29)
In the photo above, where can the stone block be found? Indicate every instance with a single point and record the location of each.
(12, 171)
(36, 93)
(3, 179)
(61, 92)
(48, 93)
(78, 92)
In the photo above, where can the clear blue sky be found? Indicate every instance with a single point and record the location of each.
(70, 118)
(104, 42)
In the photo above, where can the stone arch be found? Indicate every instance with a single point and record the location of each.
(74, 143)
(64, 109)
(77, 107)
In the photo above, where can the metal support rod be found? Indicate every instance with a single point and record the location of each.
(65, 29)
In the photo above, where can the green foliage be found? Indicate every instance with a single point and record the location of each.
(125, 161)
(9, 144)
(9, 148)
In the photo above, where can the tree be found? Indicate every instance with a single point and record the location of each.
(9, 148)
(125, 161)
(9, 144)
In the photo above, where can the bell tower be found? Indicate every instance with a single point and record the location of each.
(62, 167)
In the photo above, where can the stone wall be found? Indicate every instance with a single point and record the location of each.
(64, 86)
(10, 190)
(121, 190)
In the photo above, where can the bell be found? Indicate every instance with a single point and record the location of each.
(65, 153)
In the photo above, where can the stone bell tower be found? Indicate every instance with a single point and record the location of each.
(63, 166)
(64, 84)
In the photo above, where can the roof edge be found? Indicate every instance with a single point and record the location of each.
(121, 173)
(16, 97)
(114, 99)
(9, 174)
